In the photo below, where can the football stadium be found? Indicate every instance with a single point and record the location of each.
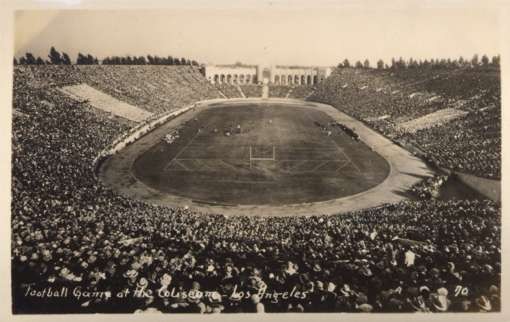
(145, 184)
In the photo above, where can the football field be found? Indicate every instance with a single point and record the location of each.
(260, 154)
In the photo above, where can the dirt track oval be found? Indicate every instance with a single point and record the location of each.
(275, 155)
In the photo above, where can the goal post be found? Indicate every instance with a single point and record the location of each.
(258, 156)
(263, 158)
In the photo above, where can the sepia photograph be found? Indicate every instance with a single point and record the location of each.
(262, 159)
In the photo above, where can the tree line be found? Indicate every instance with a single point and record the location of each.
(57, 58)
(150, 60)
(444, 63)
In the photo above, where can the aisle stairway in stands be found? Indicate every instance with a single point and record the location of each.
(105, 102)
(240, 91)
(289, 92)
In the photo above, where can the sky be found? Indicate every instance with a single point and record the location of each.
(280, 35)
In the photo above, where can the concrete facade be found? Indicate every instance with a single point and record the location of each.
(231, 74)
(276, 75)
(282, 75)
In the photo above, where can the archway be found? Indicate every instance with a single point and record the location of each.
(266, 74)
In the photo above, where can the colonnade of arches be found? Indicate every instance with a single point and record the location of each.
(234, 79)
(281, 79)
(295, 79)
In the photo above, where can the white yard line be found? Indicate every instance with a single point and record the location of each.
(336, 145)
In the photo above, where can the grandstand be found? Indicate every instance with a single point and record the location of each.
(418, 254)
(155, 89)
(390, 101)
(279, 91)
(251, 90)
(301, 92)
(436, 118)
(104, 102)
(230, 91)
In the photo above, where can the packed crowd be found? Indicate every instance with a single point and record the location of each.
(437, 118)
(229, 90)
(386, 99)
(252, 90)
(429, 188)
(301, 91)
(279, 90)
(471, 144)
(113, 254)
(154, 88)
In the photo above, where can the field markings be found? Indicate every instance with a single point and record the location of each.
(198, 165)
(185, 147)
(275, 160)
(180, 164)
(213, 164)
(188, 144)
(242, 181)
(317, 167)
(348, 158)
(228, 165)
(208, 163)
(296, 165)
(343, 165)
(337, 146)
